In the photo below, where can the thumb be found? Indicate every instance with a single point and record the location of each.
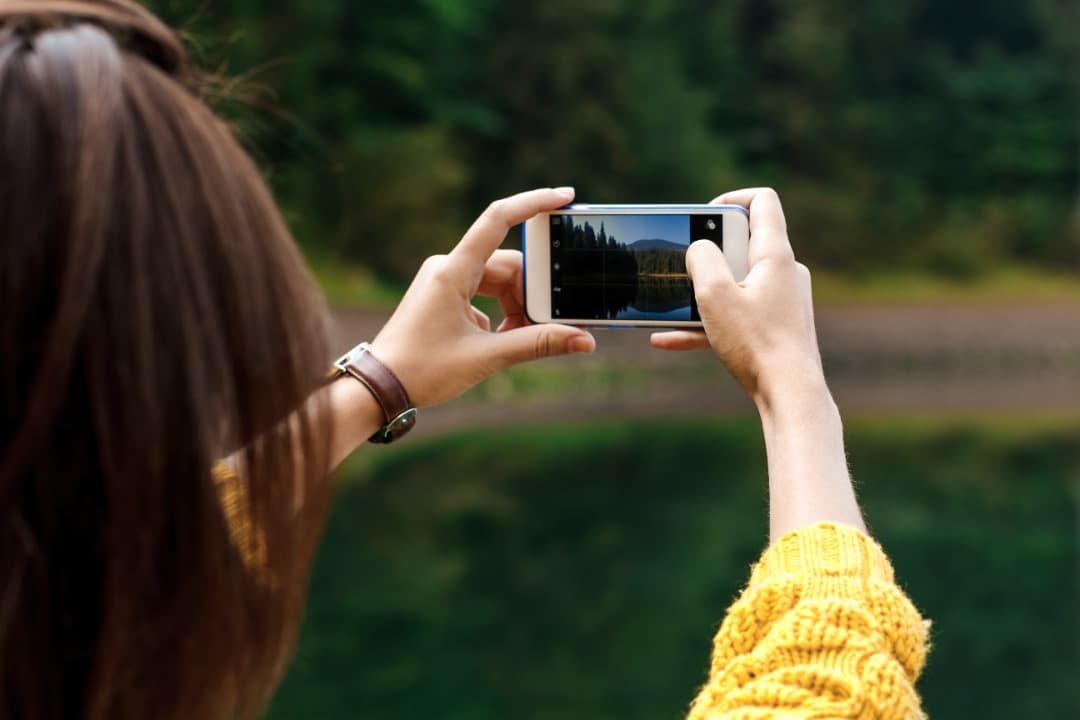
(539, 341)
(706, 264)
(711, 277)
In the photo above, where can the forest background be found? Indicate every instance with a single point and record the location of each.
(928, 138)
(562, 542)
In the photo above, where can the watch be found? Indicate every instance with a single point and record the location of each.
(398, 410)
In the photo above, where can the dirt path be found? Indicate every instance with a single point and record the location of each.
(973, 359)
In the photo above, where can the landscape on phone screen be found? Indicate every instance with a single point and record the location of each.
(626, 267)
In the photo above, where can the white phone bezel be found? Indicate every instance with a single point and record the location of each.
(536, 247)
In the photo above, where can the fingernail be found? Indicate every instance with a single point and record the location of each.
(581, 345)
(565, 190)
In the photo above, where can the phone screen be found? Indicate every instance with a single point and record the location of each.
(626, 267)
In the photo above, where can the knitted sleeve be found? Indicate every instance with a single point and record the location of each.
(821, 631)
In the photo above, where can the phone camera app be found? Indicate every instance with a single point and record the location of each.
(627, 266)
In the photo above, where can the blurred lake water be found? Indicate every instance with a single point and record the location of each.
(563, 541)
(974, 359)
(578, 570)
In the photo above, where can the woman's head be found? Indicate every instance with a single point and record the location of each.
(155, 316)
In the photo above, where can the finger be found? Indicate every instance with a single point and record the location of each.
(539, 341)
(768, 227)
(502, 275)
(764, 200)
(713, 283)
(707, 267)
(489, 230)
(482, 319)
(502, 279)
(513, 322)
(680, 340)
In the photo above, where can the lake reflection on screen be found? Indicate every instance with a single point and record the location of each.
(640, 297)
(660, 298)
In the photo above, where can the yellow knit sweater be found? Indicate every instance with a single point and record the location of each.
(821, 631)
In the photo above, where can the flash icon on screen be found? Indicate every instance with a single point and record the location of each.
(711, 224)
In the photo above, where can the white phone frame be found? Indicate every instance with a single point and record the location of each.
(536, 247)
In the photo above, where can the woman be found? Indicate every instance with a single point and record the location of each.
(156, 317)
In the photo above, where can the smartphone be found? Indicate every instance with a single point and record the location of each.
(624, 265)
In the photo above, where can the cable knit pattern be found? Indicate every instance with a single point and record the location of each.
(821, 631)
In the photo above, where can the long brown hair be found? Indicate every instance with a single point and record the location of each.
(156, 317)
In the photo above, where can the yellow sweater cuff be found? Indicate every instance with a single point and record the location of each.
(826, 550)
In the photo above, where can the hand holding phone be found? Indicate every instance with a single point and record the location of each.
(762, 329)
(438, 344)
(624, 265)
(760, 326)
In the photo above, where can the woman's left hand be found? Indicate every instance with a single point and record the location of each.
(438, 344)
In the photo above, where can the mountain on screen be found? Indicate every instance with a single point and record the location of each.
(656, 244)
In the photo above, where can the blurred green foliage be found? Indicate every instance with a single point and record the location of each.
(939, 137)
(579, 572)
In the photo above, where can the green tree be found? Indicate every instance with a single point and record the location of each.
(938, 136)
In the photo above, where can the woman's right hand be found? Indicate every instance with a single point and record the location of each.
(763, 330)
(763, 327)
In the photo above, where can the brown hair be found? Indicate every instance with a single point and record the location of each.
(155, 317)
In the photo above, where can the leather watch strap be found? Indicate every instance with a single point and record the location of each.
(398, 411)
